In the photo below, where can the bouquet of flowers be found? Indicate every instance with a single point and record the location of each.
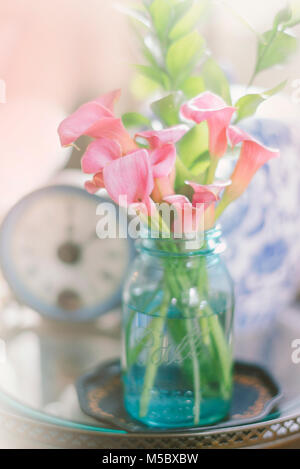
(176, 163)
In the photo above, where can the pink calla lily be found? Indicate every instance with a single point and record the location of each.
(96, 119)
(203, 203)
(163, 156)
(108, 100)
(163, 160)
(86, 116)
(157, 138)
(237, 135)
(98, 154)
(162, 188)
(128, 172)
(211, 108)
(204, 194)
(113, 128)
(188, 218)
(130, 177)
(90, 187)
(97, 183)
(208, 194)
(253, 156)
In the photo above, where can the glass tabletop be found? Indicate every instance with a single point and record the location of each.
(41, 361)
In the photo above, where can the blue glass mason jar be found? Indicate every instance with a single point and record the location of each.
(177, 333)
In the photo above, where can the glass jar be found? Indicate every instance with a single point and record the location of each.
(177, 333)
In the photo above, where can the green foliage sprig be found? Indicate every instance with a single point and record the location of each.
(179, 65)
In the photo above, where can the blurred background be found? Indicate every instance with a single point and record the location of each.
(54, 56)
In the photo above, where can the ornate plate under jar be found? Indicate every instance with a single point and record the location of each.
(39, 399)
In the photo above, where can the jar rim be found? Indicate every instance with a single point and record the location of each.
(146, 234)
(208, 243)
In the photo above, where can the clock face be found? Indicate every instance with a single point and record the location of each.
(53, 259)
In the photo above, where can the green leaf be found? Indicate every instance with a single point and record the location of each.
(182, 175)
(153, 51)
(161, 13)
(193, 144)
(275, 90)
(149, 56)
(135, 119)
(155, 74)
(167, 109)
(183, 54)
(180, 8)
(294, 6)
(247, 105)
(142, 87)
(188, 21)
(215, 80)
(274, 49)
(240, 18)
(201, 163)
(283, 16)
(193, 86)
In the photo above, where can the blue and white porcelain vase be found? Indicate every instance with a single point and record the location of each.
(262, 227)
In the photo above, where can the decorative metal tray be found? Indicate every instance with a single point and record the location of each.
(38, 399)
(99, 391)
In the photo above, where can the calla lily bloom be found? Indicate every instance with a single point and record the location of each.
(157, 138)
(97, 183)
(102, 151)
(162, 188)
(163, 160)
(86, 116)
(211, 108)
(210, 192)
(163, 164)
(208, 195)
(253, 156)
(163, 156)
(114, 129)
(98, 154)
(96, 119)
(108, 100)
(130, 177)
(188, 218)
(204, 199)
